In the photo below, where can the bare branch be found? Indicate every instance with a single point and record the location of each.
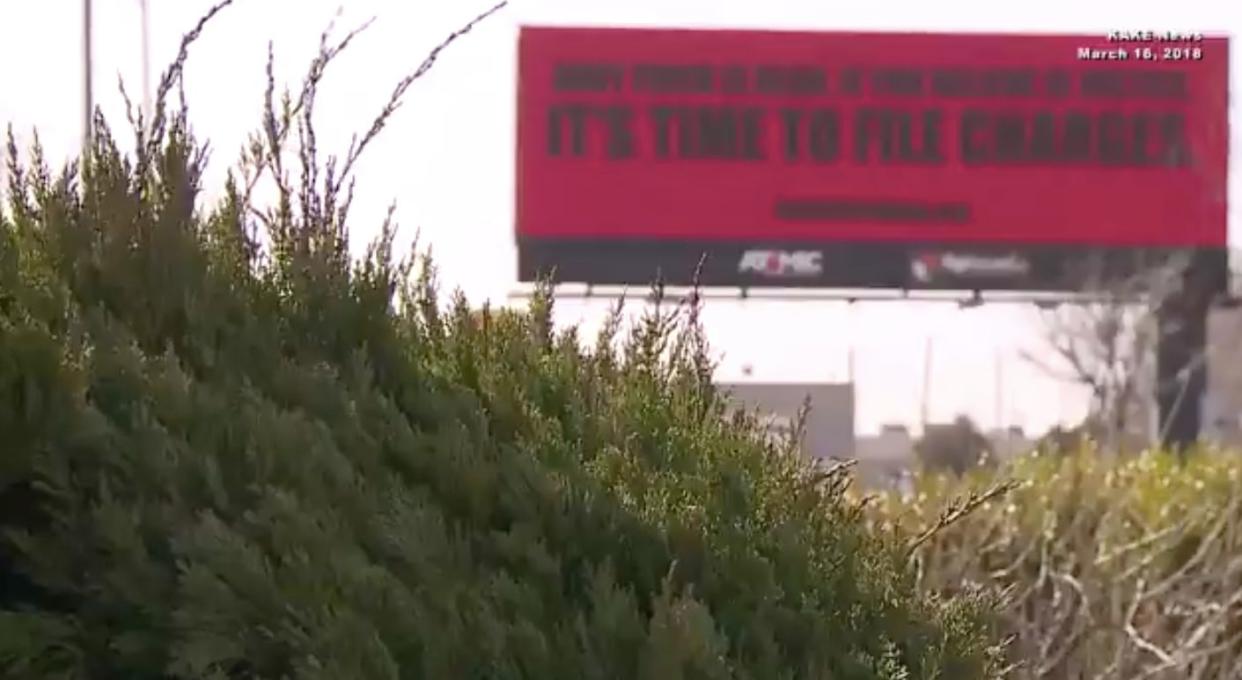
(958, 510)
(1108, 346)
(171, 76)
(326, 189)
(356, 147)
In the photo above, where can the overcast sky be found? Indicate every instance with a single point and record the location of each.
(447, 159)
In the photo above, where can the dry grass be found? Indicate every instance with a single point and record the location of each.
(1115, 569)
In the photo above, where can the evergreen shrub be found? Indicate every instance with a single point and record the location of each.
(232, 450)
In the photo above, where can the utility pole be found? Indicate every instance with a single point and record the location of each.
(927, 378)
(999, 404)
(88, 92)
(146, 62)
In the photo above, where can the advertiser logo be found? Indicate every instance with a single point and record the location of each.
(929, 267)
(782, 263)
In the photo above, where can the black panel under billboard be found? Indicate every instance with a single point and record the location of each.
(895, 266)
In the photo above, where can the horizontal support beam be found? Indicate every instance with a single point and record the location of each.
(962, 298)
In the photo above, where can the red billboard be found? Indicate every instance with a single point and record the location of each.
(865, 159)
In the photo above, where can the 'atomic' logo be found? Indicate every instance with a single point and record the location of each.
(782, 263)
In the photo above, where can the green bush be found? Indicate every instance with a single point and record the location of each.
(240, 453)
(1117, 568)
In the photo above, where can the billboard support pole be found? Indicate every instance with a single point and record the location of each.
(1181, 356)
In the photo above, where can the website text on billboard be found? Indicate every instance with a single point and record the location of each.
(644, 149)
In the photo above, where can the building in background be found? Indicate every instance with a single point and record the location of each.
(1222, 409)
(886, 460)
(883, 461)
(1010, 442)
(830, 421)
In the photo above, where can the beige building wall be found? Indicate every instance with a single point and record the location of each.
(830, 422)
(1222, 412)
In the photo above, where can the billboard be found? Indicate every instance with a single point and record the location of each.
(874, 160)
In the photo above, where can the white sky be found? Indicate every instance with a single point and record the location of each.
(447, 159)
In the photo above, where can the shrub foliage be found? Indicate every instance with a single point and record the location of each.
(1117, 568)
(232, 450)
